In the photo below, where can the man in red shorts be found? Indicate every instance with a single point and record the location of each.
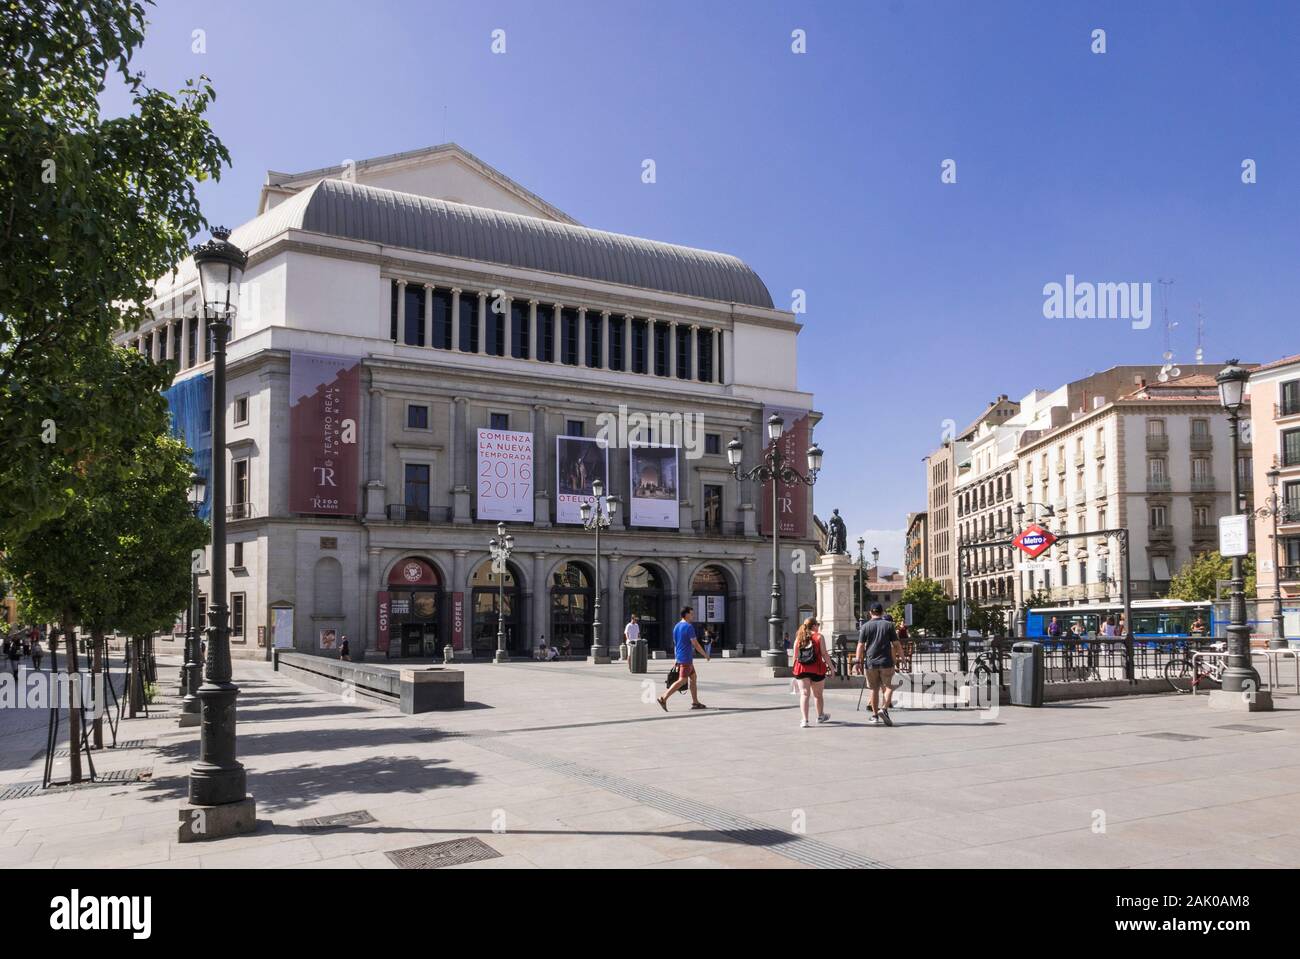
(687, 645)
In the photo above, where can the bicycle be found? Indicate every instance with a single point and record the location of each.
(986, 676)
(1188, 673)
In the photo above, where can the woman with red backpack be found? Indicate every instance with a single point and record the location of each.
(811, 665)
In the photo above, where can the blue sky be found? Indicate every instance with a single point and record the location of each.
(822, 169)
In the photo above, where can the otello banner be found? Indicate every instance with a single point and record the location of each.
(792, 498)
(324, 452)
(654, 486)
(579, 462)
(505, 475)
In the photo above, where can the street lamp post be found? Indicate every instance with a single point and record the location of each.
(218, 779)
(501, 547)
(596, 517)
(191, 670)
(1276, 508)
(1240, 685)
(862, 577)
(775, 467)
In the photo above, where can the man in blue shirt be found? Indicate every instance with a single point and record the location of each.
(686, 645)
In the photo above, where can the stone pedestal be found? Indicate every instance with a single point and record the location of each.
(622, 653)
(833, 584)
(1260, 701)
(598, 656)
(199, 823)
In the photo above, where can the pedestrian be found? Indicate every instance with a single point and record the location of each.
(631, 632)
(877, 645)
(1054, 629)
(686, 643)
(37, 653)
(1108, 628)
(345, 651)
(811, 665)
(708, 640)
(14, 650)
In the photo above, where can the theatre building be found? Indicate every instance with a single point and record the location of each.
(426, 349)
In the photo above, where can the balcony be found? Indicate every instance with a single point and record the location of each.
(1203, 484)
(1158, 484)
(1080, 497)
(1100, 494)
(729, 528)
(240, 511)
(1202, 442)
(1160, 534)
(403, 513)
(1288, 407)
(1289, 574)
(1060, 467)
(1158, 443)
(1058, 505)
(1099, 451)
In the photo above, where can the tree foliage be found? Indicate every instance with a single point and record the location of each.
(929, 607)
(1199, 577)
(93, 210)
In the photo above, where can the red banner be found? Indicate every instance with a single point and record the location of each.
(324, 417)
(381, 631)
(457, 620)
(792, 498)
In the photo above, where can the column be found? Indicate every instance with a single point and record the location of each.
(627, 343)
(376, 508)
(482, 323)
(582, 336)
(507, 326)
(557, 317)
(683, 589)
(205, 343)
(605, 361)
(153, 345)
(455, 318)
(459, 458)
(672, 348)
(615, 618)
(716, 371)
(541, 595)
(184, 352)
(373, 578)
(694, 372)
(534, 332)
(428, 314)
(742, 605)
(541, 472)
(401, 311)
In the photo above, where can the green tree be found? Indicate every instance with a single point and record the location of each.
(1038, 598)
(988, 620)
(92, 210)
(929, 607)
(1199, 577)
(118, 557)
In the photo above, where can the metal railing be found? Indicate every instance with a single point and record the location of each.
(240, 511)
(1158, 484)
(1157, 443)
(1203, 484)
(402, 513)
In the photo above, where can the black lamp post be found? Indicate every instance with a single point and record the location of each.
(191, 671)
(1276, 508)
(501, 547)
(597, 517)
(1240, 677)
(775, 467)
(862, 577)
(218, 778)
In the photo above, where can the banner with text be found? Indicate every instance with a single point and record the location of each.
(792, 498)
(654, 486)
(505, 475)
(324, 412)
(579, 462)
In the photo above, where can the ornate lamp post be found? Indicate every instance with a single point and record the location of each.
(1276, 508)
(1240, 688)
(775, 467)
(596, 517)
(501, 547)
(862, 577)
(218, 779)
(191, 671)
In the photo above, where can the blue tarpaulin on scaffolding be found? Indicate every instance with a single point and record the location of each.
(190, 401)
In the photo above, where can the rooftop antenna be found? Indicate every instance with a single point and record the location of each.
(1168, 371)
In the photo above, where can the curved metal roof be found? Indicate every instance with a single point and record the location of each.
(345, 209)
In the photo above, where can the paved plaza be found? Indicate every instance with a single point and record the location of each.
(574, 765)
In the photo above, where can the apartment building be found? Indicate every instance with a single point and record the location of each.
(1275, 431)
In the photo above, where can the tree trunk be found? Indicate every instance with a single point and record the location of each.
(96, 670)
(74, 709)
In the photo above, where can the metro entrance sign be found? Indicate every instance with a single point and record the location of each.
(1034, 541)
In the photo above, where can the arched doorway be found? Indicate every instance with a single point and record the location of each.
(415, 597)
(485, 600)
(710, 597)
(645, 592)
(572, 601)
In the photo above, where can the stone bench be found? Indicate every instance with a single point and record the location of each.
(411, 689)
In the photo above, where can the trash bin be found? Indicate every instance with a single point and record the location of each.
(1027, 674)
(636, 656)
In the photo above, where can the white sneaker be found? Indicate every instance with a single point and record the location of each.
(824, 718)
(803, 724)
(873, 720)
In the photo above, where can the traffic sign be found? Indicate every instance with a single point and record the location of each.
(1034, 541)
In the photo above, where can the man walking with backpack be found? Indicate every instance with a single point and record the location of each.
(687, 645)
(877, 642)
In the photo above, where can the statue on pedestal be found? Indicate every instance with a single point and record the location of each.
(836, 535)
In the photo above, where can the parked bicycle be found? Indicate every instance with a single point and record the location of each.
(986, 675)
(1187, 672)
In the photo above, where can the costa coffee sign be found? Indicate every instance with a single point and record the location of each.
(1034, 541)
